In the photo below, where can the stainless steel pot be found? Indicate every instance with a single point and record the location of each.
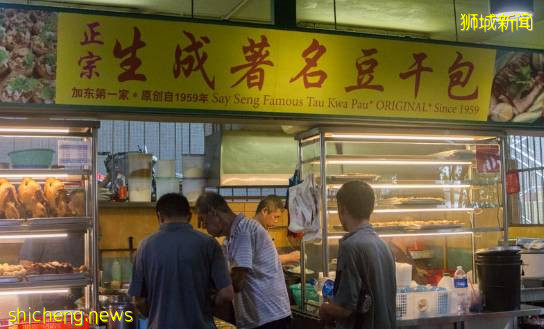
(121, 309)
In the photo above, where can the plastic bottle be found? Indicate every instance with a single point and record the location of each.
(460, 284)
(116, 274)
(446, 282)
(328, 289)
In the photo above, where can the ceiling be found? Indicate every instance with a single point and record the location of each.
(429, 19)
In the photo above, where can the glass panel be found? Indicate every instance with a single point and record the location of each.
(315, 13)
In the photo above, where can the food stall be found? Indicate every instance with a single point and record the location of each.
(439, 198)
(431, 142)
(48, 228)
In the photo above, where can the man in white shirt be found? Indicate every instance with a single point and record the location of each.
(261, 299)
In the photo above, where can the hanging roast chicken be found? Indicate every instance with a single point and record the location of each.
(57, 197)
(10, 207)
(33, 199)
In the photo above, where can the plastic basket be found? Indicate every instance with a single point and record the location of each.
(31, 158)
(427, 304)
(50, 324)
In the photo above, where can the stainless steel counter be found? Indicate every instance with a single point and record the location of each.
(531, 295)
(525, 310)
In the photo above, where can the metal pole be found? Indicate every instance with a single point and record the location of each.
(505, 206)
(302, 276)
(324, 208)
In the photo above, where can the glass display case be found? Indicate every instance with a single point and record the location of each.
(439, 194)
(47, 216)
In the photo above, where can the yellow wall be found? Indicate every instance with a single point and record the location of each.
(117, 224)
(526, 232)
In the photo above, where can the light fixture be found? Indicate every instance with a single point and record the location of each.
(412, 186)
(34, 292)
(403, 137)
(33, 236)
(511, 7)
(35, 176)
(393, 211)
(337, 237)
(398, 162)
(35, 130)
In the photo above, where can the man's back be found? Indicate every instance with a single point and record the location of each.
(366, 265)
(175, 270)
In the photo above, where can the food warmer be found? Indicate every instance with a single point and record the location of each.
(48, 217)
(439, 195)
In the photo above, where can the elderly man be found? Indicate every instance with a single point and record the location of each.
(261, 299)
(268, 214)
(365, 286)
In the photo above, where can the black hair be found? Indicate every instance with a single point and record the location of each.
(357, 197)
(208, 201)
(173, 206)
(271, 202)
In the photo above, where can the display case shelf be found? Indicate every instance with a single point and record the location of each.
(70, 239)
(427, 232)
(24, 285)
(377, 160)
(46, 225)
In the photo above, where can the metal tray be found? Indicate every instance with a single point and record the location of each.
(9, 279)
(11, 222)
(58, 220)
(56, 277)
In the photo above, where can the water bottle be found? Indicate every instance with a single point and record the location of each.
(328, 289)
(460, 285)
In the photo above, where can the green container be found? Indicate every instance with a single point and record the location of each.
(309, 290)
(31, 158)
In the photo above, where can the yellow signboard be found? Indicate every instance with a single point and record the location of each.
(114, 61)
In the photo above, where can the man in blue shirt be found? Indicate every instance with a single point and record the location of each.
(177, 270)
(365, 287)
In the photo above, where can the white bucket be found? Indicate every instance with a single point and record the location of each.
(166, 168)
(193, 166)
(139, 189)
(404, 274)
(192, 188)
(167, 185)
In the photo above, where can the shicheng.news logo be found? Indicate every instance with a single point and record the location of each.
(492, 22)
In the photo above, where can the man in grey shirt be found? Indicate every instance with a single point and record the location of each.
(365, 286)
(179, 273)
(261, 299)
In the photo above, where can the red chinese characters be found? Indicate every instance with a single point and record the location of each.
(416, 69)
(256, 55)
(365, 66)
(131, 62)
(88, 65)
(194, 60)
(311, 55)
(459, 78)
(91, 35)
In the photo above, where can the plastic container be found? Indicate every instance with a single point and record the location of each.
(31, 158)
(167, 185)
(309, 292)
(499, 280)
(139, 165)
(139, 189)
(403, 274)
(166, 168)
(460, 286)
(446, 282)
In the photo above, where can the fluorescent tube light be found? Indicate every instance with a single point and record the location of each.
(399, 162)
(33, 236)
(404, 137)
(34, 292)
(35, 130)
(392, 211)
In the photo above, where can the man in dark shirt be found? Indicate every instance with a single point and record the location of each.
(365, 286)
(176, 271)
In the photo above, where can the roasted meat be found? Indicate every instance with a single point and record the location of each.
(32, 198)
(10, 207)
